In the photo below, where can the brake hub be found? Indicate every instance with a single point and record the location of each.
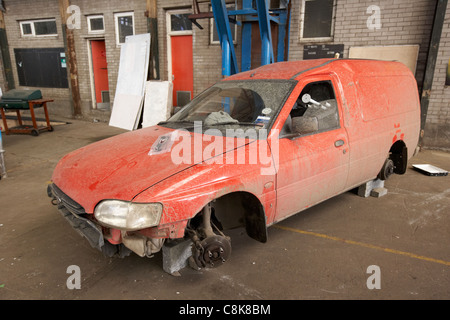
(212, 251)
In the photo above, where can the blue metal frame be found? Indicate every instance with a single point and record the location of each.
(250, 14)
(229, 62)
(265, 32)
(246, 45)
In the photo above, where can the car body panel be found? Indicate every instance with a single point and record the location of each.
(121, 168)
(186, 193)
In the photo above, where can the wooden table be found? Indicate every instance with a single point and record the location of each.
(27, 129)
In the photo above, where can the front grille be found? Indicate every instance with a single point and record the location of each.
(66, 201)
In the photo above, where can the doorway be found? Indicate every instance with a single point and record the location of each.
(99, 74)
(180, 56)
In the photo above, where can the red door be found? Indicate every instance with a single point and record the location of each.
(313, 167)
(100, 69)
(182, 69)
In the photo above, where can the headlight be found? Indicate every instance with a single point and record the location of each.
(128, 215)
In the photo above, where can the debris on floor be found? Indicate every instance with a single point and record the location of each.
(430, 170)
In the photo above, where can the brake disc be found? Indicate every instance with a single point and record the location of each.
(212, 252)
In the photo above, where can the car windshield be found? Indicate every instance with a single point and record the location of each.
(231, 104)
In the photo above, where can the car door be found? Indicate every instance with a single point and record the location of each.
(313, 156)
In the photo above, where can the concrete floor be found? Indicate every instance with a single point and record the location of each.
(321, 253)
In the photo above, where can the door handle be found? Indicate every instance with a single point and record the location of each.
(339, 143)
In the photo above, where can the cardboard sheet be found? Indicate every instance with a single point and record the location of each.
(407, 54)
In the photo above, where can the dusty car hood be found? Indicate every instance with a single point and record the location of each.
(117, 168)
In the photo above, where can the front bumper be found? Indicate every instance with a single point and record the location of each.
(76, 216)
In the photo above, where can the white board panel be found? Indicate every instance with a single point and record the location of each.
(406, 54)
(131, 79)
(158, 102)
(127, 107)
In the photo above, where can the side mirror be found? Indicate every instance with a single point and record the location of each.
(305, 125)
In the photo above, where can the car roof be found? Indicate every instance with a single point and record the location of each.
(296, 69)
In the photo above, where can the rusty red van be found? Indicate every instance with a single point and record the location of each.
(249, 151)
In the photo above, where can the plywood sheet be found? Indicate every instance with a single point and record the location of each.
(406, 54)
(158, 102)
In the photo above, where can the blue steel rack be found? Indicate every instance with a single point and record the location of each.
(252, 10)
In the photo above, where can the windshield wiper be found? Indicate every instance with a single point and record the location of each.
(185, 124)
(177, 121)
(236, 123)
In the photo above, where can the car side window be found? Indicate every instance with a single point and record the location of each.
(314, 111)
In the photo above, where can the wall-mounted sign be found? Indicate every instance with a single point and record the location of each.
(322, 51)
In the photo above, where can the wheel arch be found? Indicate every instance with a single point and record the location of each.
(399, 155)
(241, 209)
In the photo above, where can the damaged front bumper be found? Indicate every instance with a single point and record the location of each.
(114, 241)
(78, 219)
(198, 248)
(73, 213)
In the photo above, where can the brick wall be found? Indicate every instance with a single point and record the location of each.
(39, 9)
(437, 128)
(82, 37)
(403, 22)
(207, 56)
(163, 7)
(29, 10)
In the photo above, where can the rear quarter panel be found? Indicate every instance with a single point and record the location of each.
(382, 107)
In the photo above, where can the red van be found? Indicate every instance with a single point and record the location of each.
(251, 150)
